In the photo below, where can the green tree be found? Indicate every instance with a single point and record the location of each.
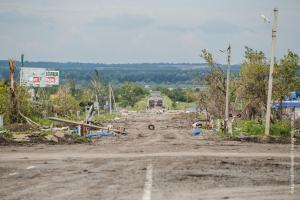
(4, 99)
(130, 94)
(190, 95)
(252, 87)
(213, 101)
(63, 102)
(26, 106)
(24, 102)
(285, 78)
(98, 89)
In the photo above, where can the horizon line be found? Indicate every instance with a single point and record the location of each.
(129, 63)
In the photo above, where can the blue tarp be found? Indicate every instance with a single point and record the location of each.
(294, 96)
(197, 132)
(287, 104)
(99, 134)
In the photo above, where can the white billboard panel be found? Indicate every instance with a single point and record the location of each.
(33, 76)
(38, 77)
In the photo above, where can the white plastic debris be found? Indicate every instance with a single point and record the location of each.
(31, 167)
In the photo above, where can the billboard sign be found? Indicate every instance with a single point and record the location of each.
(52, 78)
(38, 77)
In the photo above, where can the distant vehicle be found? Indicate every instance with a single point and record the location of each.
(155, 100)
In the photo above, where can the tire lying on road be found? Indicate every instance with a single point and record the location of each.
(151, 127)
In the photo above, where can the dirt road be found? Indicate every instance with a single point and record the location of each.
(167, 163)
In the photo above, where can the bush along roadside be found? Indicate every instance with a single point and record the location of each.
(34, 137)
(280, 131)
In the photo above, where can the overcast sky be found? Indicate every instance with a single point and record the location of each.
(135, 31)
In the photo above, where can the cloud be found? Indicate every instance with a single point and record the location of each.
(178, 28)
(219, 27)
(15, 17)
(123, 22)
(209, 27)
(141, 30)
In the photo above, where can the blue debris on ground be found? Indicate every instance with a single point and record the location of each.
(197, 132)
(99, 134)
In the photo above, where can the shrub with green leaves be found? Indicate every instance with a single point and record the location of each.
(4, 100)
(252, 128)
(280, 128)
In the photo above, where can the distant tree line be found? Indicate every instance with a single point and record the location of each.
(119, 73)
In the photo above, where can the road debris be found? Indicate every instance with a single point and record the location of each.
(197, 132)
(65, 128)
(21, 137)
(202, 123)
(29, 121)
(59, 135)
(120, 131)
(99, 134)
(151, 127)
(31, 167)
(51, 138)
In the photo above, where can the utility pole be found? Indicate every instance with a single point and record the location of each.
(109, 88)
(113, 98)
(22, 60)
(227, 88)
(21, 71)
(269, 101)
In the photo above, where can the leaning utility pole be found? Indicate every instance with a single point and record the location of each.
(269, 102)
(227, 88)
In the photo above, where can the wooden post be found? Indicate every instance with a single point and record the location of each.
(14, 110)
(227, 90)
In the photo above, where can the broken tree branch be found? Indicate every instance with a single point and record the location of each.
(29, 120)
(122, 131)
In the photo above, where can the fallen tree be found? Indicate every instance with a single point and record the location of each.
(121, 131)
